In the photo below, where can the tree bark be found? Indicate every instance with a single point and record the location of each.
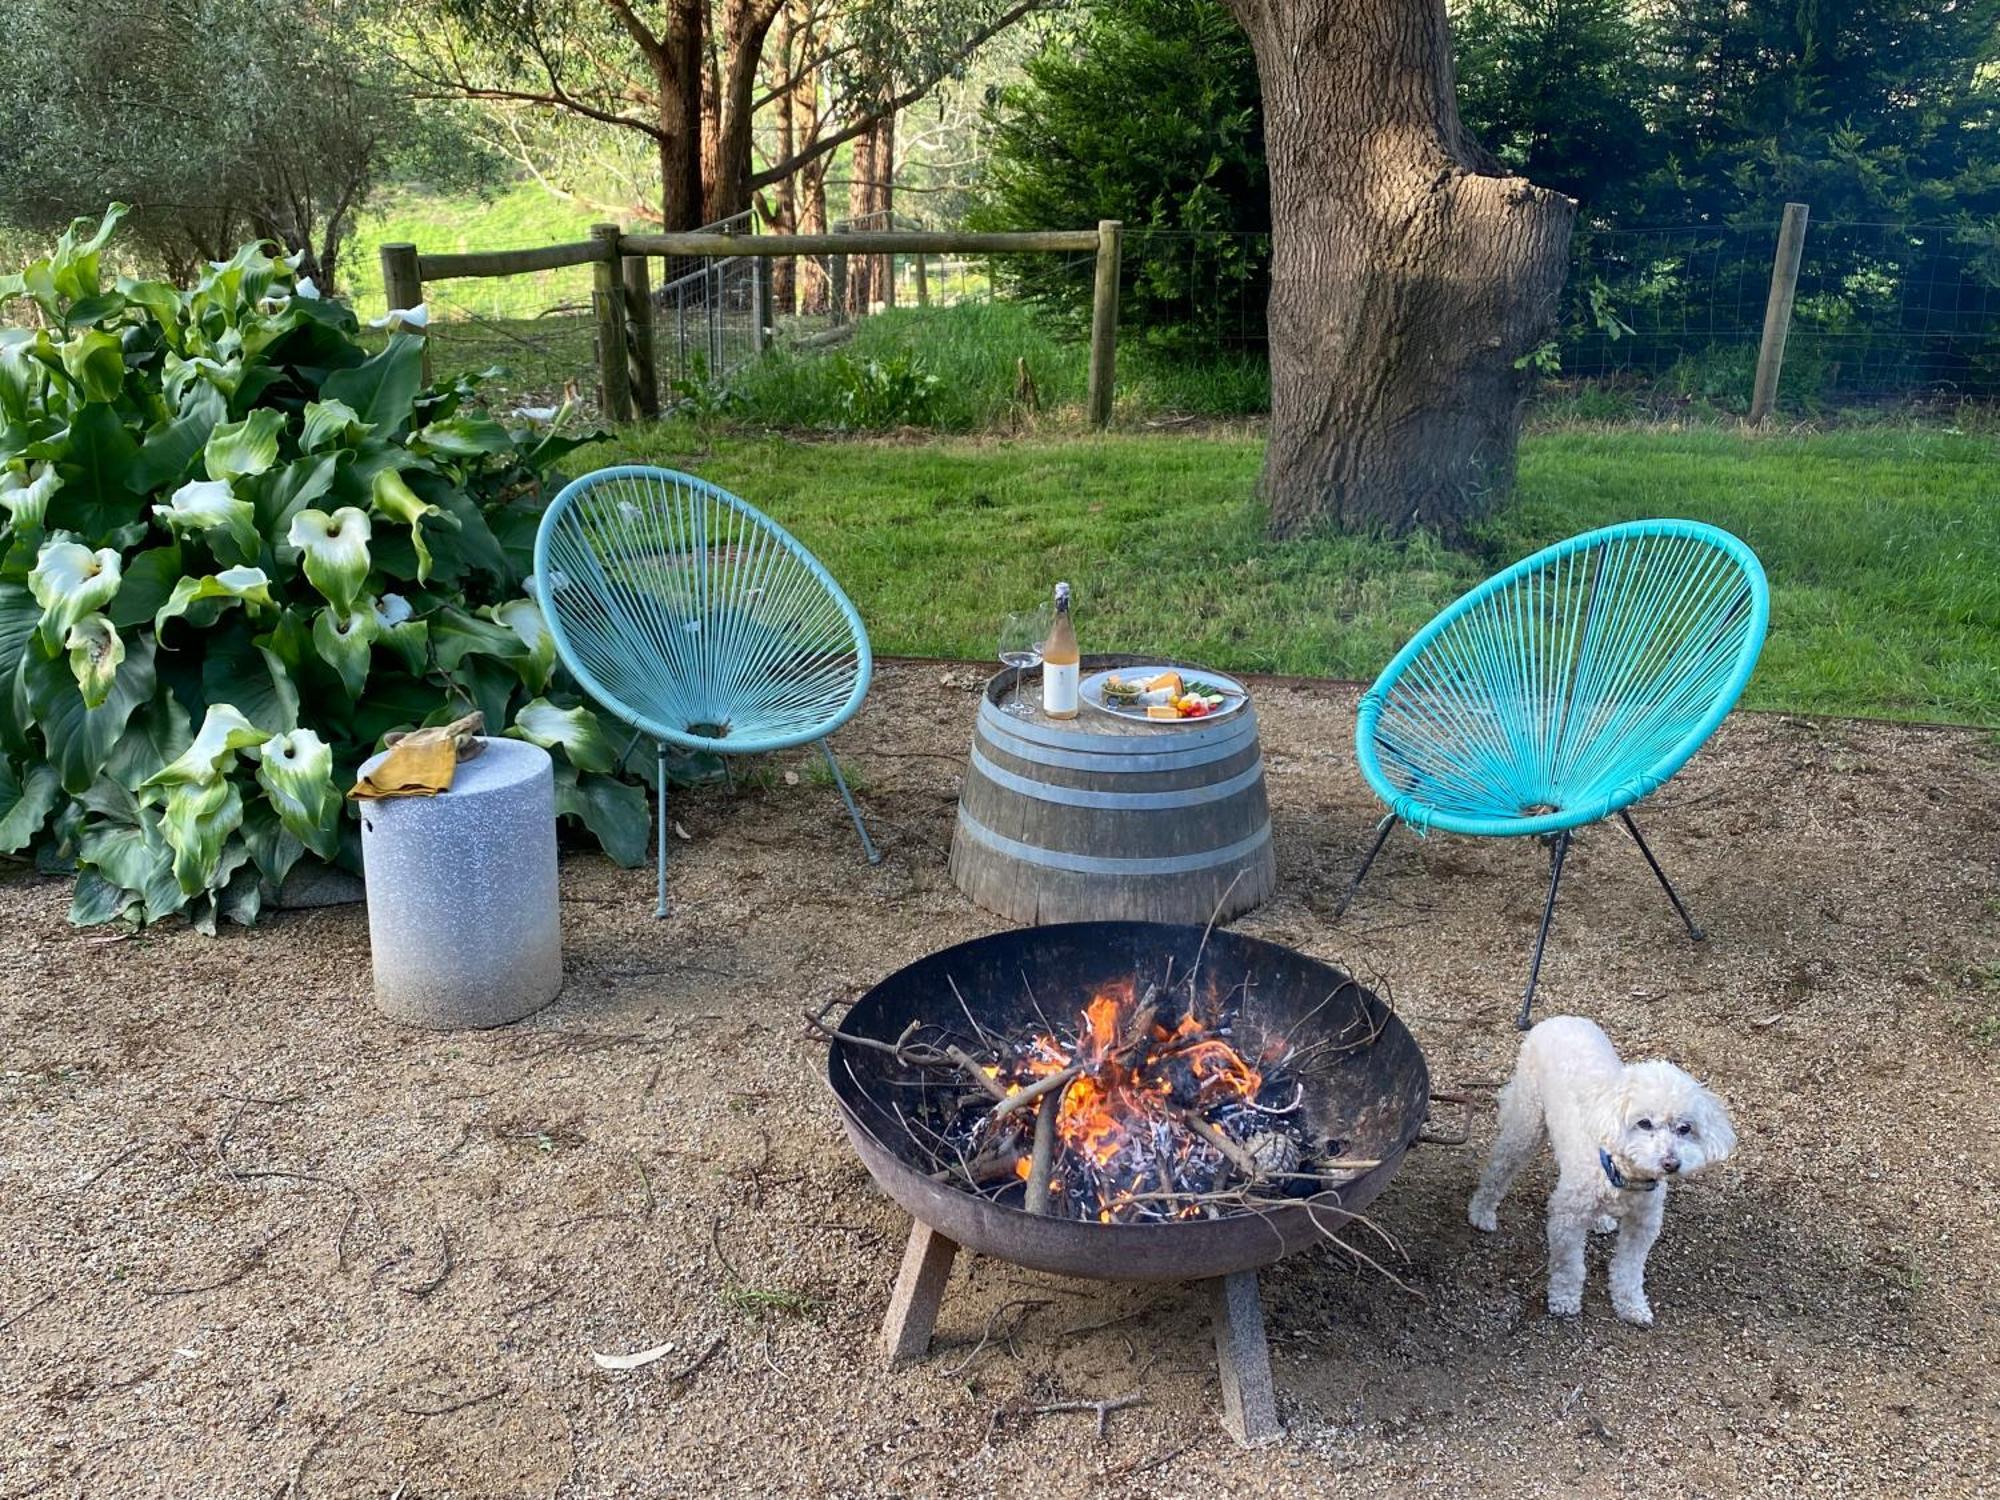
(677, 76)
(1410, 274)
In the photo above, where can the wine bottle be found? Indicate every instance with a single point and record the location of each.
(1060, 662)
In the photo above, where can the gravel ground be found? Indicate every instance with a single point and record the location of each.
(259, 1241)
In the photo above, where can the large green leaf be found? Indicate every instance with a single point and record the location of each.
(94, 499)
(19, 614)
(272, 848)
(613, 810)
(80, 739)
(26, 802)
(463, 435)
(132, 857)
(456, 635)
(157, 734)
(236, 670)
(291, 490)
(382, 391)
(148, 579)
(170, 451)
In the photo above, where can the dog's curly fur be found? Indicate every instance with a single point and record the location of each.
(1650, 1119)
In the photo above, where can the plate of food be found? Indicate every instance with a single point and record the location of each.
(1163, 694)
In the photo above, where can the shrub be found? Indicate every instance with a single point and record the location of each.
(237, 551)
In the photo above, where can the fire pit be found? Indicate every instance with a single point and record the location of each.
(1126, 1101)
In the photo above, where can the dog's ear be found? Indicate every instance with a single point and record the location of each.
(1711, 1121)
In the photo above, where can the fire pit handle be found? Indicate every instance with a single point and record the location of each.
(1426, 1137)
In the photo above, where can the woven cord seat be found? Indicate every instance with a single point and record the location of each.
(698, 621)
(1563, 690)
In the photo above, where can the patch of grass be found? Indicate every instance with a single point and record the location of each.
(1881, 547)
(513, 218)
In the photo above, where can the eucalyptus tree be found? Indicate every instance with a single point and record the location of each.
(690, 77)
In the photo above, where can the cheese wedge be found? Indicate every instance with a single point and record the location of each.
(1171, 681)
(1162, 711)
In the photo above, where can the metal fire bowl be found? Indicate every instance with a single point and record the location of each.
(1375, 1100)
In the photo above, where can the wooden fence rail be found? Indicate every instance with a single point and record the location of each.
(628, 379)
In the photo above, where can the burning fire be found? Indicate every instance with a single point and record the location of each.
(1145, 1107)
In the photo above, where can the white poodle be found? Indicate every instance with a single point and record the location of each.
(1618, 1132)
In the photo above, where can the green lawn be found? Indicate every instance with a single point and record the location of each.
(1883, 547)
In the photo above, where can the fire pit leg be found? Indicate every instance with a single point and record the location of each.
(913, 1308)
(1249, 1400)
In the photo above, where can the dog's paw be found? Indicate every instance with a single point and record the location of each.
(1565, 1304)
(1604, 1224)
(1638, 1313)
(1484, 1216)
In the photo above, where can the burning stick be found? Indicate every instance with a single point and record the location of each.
(1043, 1160)
(1052, 1084)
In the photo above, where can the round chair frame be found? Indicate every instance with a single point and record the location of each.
(1563, 690)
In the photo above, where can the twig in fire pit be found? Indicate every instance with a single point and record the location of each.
(1043, 1161)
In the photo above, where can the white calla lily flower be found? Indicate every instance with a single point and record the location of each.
(209, 505)
(576, 731)
(344, 643)
(296, 770)
(241, 585)
(70, 581)
(524, 617)
(404, 317)
(27, 500)
(336, 552)
(224, 731)
(392, 610)
(308, 289)
(94, 654)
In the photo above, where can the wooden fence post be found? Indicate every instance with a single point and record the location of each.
(641, 371)
(608, 302)
(1104, 322)
(1778, 311)
(923, 282)
(402, 289)
(837, 270)
(760, 303)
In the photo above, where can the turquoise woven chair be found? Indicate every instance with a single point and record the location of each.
(698, 621)
(1564, 690)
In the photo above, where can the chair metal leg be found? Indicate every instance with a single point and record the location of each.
(1382, 833)
(1556, 856)
(661, 797)
(1694, 928)
(867, 844)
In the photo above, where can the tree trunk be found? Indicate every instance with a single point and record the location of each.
(678, 79)
(860, 211)
(1410, 274)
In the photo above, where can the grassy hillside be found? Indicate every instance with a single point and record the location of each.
(512, 218)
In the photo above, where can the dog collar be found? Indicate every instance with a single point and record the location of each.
(1617, 1178)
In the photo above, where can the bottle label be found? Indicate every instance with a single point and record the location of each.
(1059, 690)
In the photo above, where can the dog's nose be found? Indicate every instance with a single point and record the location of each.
(1672, 1164)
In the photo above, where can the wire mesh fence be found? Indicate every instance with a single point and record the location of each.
(1651, 316)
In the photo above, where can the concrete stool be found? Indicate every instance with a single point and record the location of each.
(463, 915)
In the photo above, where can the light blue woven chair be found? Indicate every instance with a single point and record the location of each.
(698, 621)
(1564, 690)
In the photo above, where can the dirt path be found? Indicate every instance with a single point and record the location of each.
(254, 1240)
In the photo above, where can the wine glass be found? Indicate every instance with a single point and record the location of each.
(1021, 637)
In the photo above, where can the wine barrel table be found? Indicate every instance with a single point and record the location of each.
(1099, 818)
